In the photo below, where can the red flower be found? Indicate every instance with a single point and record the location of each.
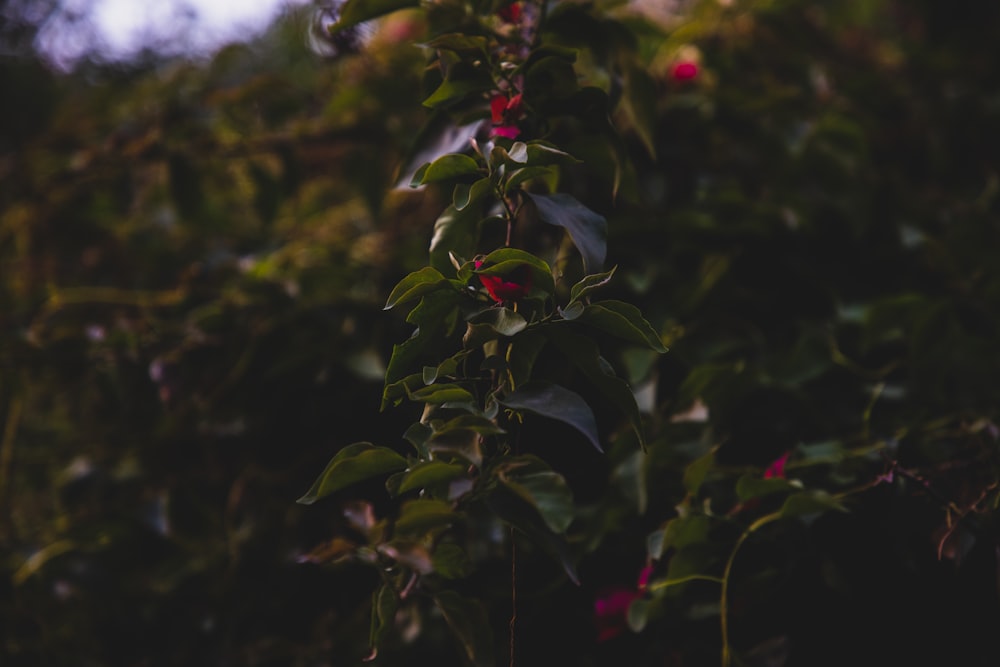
(684, 71)
(511, 13)
(777, 467)
(611, 609)
(501, 290)
(504, 113)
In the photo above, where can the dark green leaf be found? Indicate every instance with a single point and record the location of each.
(459, 43)
(469, 194)
(639, 105)
(513, 509)
(504, 321)
(446, 168)
(451, 562)
(521, 356)
(587, 229)
(589, 284)
(555, 402)
(430, 473)
(353, 12)
(548, 493)
(436, 394)
(354, 463)
(585, 354)
(463, 80)
(624, 321)
(422, 516)
(519, 176)
(752, 486)
(415, 285)
(468, 619)
(455, 231)
(505, 260)
(697, 470)
(542, 154)
(810, 502)
(384, 605)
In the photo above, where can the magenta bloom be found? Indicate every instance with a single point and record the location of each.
(505, 113)
(611, 609)
(501, 290)
(511, 13)
(777, 467)
(684, 71)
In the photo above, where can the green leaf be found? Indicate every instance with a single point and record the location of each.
(384, 606)
(505, 260)
(468, 619)
(459, 43)
(430, 473)
(451, 562)
(421, 516)
(469, 194)
(513, 509)
(353, 12)
(435, 315)
(543, 154)
(519, 176)
(624, 321)
(463, 80)
(548, 493)
(455, 231)
(415, 285)
(445, 168)
(697, 470)
(504, 321)
(587, 229)
(436, 394)
(639, 105)
(555, 402)
(521, 356)
(589, 284)
(586, 355)
(810, 502)
(752, 486)
(354, 463)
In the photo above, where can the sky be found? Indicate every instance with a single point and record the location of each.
(116, 29)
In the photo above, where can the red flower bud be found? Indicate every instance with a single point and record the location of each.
(684, 71)
(511, 13)
(501, 290)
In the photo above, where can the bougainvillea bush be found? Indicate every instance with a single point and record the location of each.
(591, 333)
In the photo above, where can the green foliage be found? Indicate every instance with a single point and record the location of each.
(798, 199)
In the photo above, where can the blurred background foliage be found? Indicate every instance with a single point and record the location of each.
(195, 256)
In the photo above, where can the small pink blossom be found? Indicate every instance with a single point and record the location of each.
(611, 608)
(685, 70)
(501, 290)
(511, 13)
(777, 467)
(504, 113)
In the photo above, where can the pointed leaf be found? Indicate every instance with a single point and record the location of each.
(468, 619)
(354, 463)
(504, 321)
(470, 194)
(587, 229)
(455, 231)
(505, 260)
(810, 502)
(555, 402)
(623, 320)
(384, 606)
(423, 515)
(430, 473)
(513, 509)
(415, 285)
(521, 356)
(585, 354)
(446, 168)
(548, 493)
(459, 43)
(436, 394)
(752, 486)
(589, 284)
(697, 470)
(353, 12)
